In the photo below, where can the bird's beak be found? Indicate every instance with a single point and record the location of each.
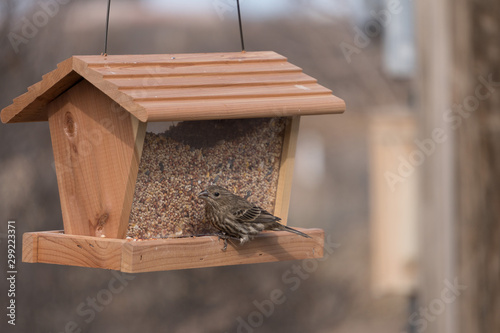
(203, 194)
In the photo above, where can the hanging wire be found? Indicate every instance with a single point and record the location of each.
(241, 28)
(107, 27)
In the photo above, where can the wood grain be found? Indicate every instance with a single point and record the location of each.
(238, 108)
(195, 71)
(211, 93)
(287, 162)
(59, 248)
(173, 254)
(168, 254)
(30, 247)
(97, 148)
(216, 80)
(182, 59)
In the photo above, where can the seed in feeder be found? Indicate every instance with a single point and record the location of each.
(195, 154)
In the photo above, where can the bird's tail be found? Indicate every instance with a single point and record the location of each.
(296, 231)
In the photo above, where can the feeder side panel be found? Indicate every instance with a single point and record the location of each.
(286, 168)
(97, 147)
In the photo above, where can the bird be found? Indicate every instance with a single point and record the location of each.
(235, 217)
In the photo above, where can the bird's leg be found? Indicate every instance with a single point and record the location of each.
(225, 238)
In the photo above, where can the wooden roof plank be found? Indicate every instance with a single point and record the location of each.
(243, 108)
(179, 59)
(207, 93)
(39, 94)
(209, 81)
(198, 70)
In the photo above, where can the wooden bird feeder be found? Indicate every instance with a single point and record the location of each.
(128, 183)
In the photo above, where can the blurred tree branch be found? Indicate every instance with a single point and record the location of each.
(7, 54)
(6, 11)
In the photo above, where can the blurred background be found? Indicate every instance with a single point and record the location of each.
(406, 182)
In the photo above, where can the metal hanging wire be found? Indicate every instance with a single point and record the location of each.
(241, 28)
(107, 28)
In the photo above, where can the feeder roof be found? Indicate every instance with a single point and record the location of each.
(168, 87)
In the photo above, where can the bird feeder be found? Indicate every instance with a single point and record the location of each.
(136, 137)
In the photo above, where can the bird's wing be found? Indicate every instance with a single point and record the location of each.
(247, 214)
(255, 214)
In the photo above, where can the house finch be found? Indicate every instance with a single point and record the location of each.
(237, 218)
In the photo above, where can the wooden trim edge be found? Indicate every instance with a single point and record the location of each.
(133, 256)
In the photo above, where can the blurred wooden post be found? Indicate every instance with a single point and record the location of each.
(393, 204)
(477, 67)
(460, 92)
(436, 211)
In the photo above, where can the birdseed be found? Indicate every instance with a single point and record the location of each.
(242, 155)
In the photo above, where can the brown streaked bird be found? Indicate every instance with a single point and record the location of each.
(237, 218)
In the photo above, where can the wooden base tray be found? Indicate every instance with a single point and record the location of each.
(133, 256)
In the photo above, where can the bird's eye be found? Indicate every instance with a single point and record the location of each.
(216, 194)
